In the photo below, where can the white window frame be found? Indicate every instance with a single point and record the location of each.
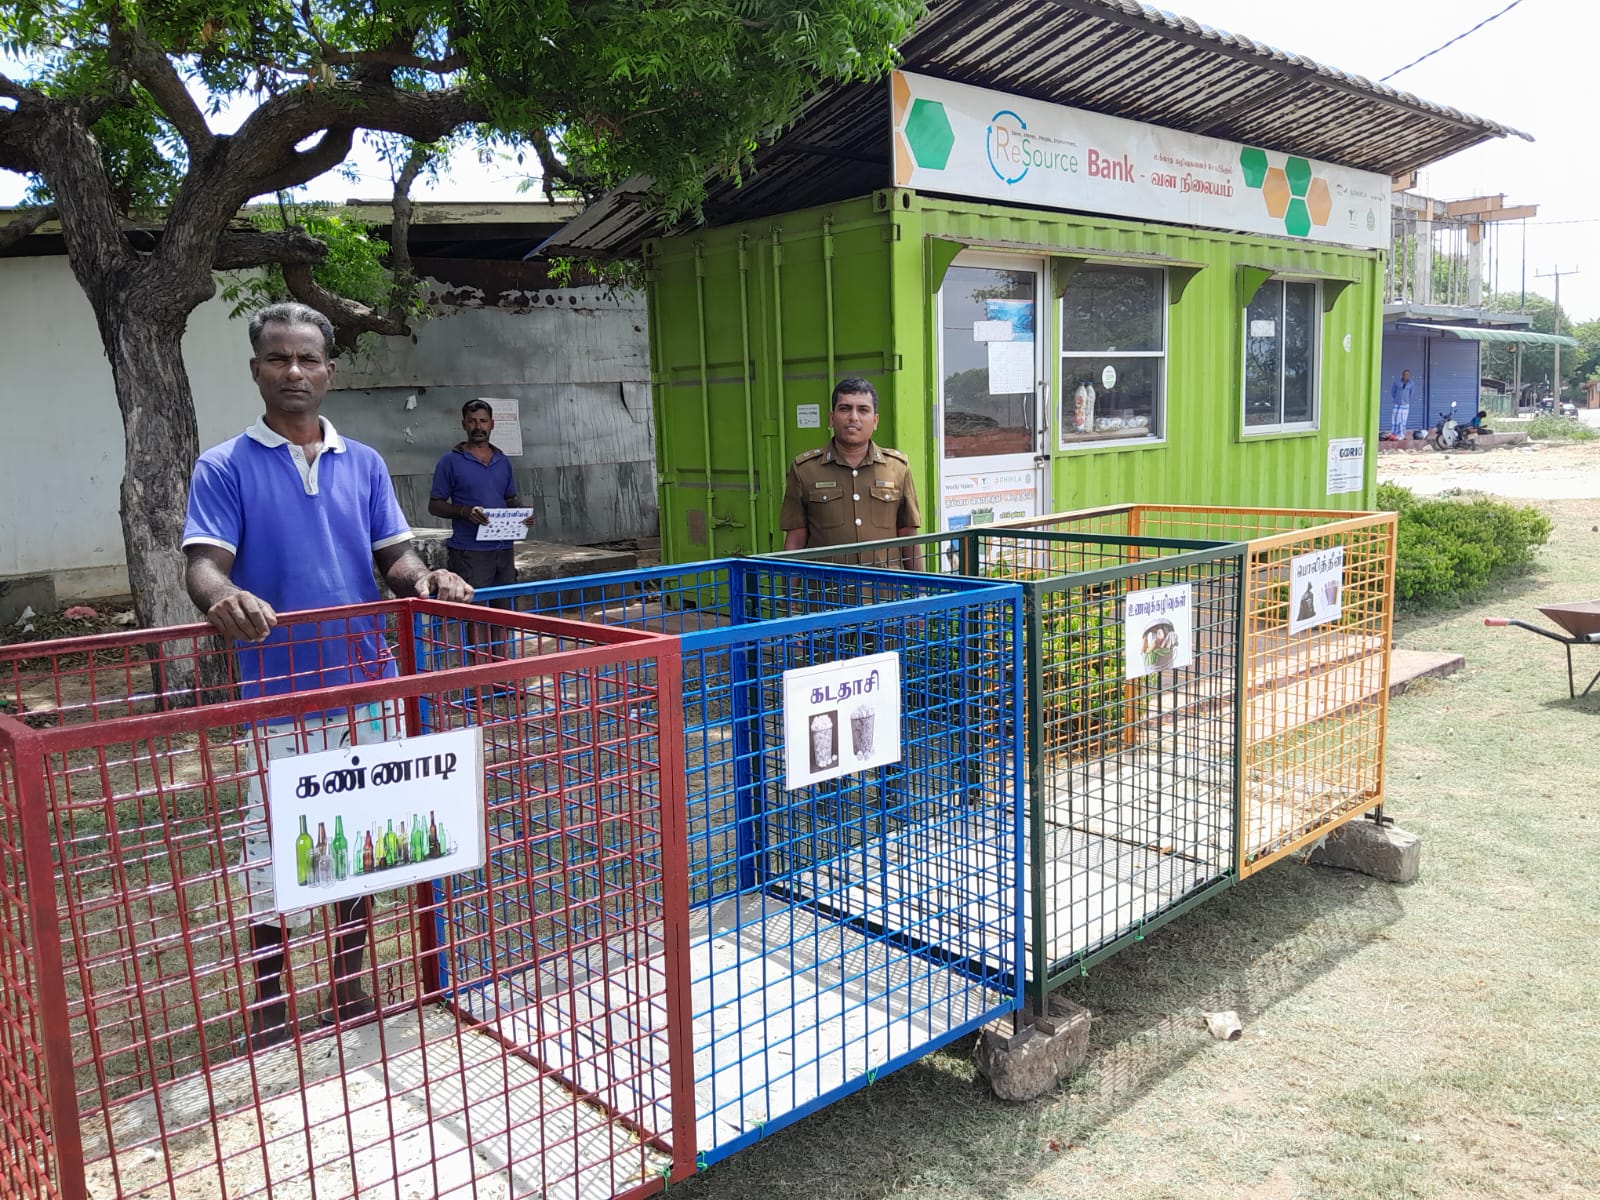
(1281, 427)
(1067, 441)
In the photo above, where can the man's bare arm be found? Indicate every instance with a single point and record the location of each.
(407, 575)
(231, 611)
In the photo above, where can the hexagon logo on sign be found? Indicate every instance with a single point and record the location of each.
(1292, 192)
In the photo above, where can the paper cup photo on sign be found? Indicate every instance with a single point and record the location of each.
(824, 741)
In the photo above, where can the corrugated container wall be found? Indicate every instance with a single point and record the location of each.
(750, 325)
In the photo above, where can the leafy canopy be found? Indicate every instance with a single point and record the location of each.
(674, 89)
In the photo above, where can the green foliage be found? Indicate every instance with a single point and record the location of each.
(1450, 547)
(1538, 362)
(1548, 427)
(355, 268)
(1080, 659)
(675, 90)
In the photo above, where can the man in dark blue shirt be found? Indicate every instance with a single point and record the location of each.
(472, 476)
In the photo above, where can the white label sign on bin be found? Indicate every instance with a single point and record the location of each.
(1316, 585)
(840, 718)
(1158, 630)
(411, 810)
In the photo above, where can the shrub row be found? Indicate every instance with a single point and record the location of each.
(1451, 546)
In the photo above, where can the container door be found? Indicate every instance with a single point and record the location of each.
(994, 461)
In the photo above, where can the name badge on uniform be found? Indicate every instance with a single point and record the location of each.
(822, 483)
(886, 483)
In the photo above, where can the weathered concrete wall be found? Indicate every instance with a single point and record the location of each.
(61, 452)
(577, 360)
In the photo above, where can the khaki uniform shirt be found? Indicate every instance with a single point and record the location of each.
(837, 504)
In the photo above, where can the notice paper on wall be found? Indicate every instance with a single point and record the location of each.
(507, 435)
(505, 525)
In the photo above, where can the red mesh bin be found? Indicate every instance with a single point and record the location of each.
(527, 1032)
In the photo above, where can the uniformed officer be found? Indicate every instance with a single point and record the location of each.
(851, 490)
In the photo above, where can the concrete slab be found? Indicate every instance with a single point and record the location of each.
(1385, 852)
(1408, 666)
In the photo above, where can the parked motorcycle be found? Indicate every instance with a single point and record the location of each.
(1450, 434)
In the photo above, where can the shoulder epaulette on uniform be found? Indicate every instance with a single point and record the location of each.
(808, 456)
(896, 454)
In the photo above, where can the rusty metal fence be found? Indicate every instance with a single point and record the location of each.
(1317, 695)
(166, 1031)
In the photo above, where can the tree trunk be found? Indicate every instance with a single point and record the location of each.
(162, 440)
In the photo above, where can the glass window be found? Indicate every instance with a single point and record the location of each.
(1113, 354)
(1280, 357)
(990, 370)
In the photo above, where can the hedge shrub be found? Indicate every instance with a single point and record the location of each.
(1450, 547)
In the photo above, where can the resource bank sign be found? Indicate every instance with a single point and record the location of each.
(968, 141)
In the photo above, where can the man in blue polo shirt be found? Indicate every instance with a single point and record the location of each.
(290, 515)
(472, 476)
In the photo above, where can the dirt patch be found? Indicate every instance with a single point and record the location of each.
(1535, 471)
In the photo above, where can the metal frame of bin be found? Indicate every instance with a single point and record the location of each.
(843, 929)
(129, 943)
(1134, 791)
(1318, 700)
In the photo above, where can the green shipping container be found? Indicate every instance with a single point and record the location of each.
(1023, 359)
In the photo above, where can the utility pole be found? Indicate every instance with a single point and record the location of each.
(1556, 275)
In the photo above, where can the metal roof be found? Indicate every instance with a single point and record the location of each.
(1106, 56)
(1478, 333)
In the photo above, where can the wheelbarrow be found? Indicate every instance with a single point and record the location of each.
(1580, 620)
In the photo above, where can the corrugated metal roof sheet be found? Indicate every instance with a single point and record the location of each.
(1107, 56)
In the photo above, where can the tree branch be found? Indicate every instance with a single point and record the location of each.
(300, 166)
(160, 78)
(401, 273)
(13, 90)
(239, 248)
(550, 165)
(24, 225)
(259, 151)
(350, 318)
(396, 59)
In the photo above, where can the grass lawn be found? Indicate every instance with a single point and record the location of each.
(1435, 1041)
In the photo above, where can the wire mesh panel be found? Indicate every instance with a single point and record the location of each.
(1318, 686)
(846, 924)
(177, 1033)
(1133, 720)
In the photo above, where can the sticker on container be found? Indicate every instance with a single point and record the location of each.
(1347, 464)
(1108, 377)
(1316, 586)
(1158, 630)
(840, 718)
(808, 416)
(1263, 328)
(375, 816)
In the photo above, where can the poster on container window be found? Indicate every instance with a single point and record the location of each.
(1158, 630)
(840, 718)
(1316, 586)
(375, 816)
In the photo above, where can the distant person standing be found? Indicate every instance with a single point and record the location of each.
(471, 476)
(1400, 405)
(852, 489)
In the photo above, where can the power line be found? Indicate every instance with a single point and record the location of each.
(1451, 42)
